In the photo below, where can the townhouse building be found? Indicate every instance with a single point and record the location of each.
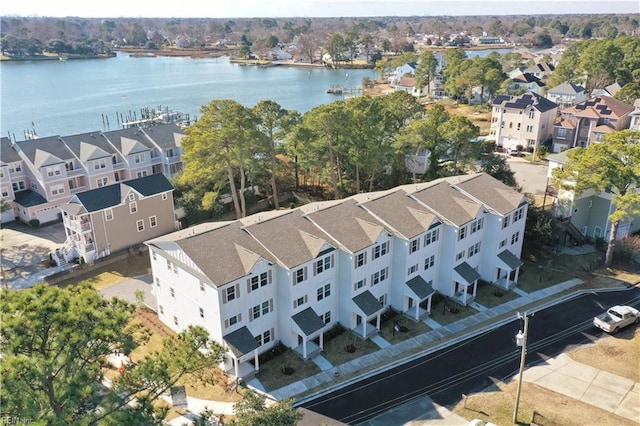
(115, 217)
(45, 173)
(589, 121)
(303, 271)
(525, 120)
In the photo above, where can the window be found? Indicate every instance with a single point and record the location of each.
(476, 225)
(5, 191)
(266, 306)
(102, 182)
(462, 233)
(379, 276)
(265, 337)
(323, 292)
(432, 236)
(141, 174)
(383, 299)
(429, 262)
(18, 186)
(231, 293)
(561, 133)
(202, 288)
(322, 265)
(360, 284)
(232, 320)
(138, 158)
(153, 221)
(157, 282)
(529, 128)
(140, 225)
(300, 301)
(254, 312)
(474, 249)
(414, 245)
(133, 207)
(53, 171)
(380, 250)
(503, 243)
(505, 222)
(57, 189)
(258, 281)
(518, 214)
(173, 292)
(299, 276)
(175, 320)
(326, 317)
(412, 269)
(99, 164)
(108, 216)
(169, 265)
(164, 196)
(460, 255)
(161, 310)
(361, 259)
(15, 168)
(132, 197)
(515, 237)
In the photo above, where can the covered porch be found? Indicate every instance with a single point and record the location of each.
(367, 308)
(243, 347)
(308, 326)
(508, 268)
(418, 297)
(465, 284)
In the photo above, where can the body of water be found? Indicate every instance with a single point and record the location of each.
(64, 98)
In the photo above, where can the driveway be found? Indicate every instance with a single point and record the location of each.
(531, 177)
(25, 249)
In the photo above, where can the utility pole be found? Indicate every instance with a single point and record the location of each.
(521, 340)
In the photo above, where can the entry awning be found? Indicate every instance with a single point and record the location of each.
(510, 260)
(467, 273)
(241, 342)
(367, 303)
(308, 321)
(420, 287)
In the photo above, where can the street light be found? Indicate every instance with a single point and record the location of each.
(521, 340)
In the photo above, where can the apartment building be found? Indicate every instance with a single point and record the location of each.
(115, 217)
(525, 120)
(348, 261)
(589, 121)
(43, 174)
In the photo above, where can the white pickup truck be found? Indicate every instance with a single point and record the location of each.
(616, 318)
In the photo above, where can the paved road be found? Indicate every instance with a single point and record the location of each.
(469, 366)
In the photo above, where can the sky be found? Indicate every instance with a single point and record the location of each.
(308, 8)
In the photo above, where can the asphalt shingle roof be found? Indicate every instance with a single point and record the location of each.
(241, 342)
(367, 303)
(165, 135)
(510, 259)
(308, 321)
(7, 153)
(467, 272)
(495, 195)
(448, 203)
(29, 198)
(420, 287)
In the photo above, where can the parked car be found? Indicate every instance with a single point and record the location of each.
(516, 153)
(616, 318)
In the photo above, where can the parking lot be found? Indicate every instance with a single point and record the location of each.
(531, 177)
(25, 250)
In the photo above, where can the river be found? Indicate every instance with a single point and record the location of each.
(64, 98)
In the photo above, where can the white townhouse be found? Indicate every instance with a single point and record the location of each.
(364, 263)
(289, 276)
(416, 249)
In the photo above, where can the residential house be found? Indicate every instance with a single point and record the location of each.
(634, 117)
(44, 173)
(115, 217)
(305, 270)
(589, 212)
(567, 94)
(609, 90)
(528, 83)
(408, 84)
(589, 121)
(525, 120)
(540, 70)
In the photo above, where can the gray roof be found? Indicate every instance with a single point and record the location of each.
(524, 101)
(45, 151)
(402, 213)
(7, 153)
(111, 195)
(510, 259)
(291, 238)
(165, 135)
(467, 272)
(448, 203)
(89, 146)
(349, 225)
(308, 321)
(420, 287)
(492, 193)
(367, 303)
(229, 245)
(129, 141)
(241, 342)
(29, 198)
(567, 88)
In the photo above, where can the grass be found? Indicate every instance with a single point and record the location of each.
(114, 273)
(271, 373)
(335, 352)
(617, 355)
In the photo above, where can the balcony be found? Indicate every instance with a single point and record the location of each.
(118, 166)
(156, 160)
(75, 172)
(174, 159)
